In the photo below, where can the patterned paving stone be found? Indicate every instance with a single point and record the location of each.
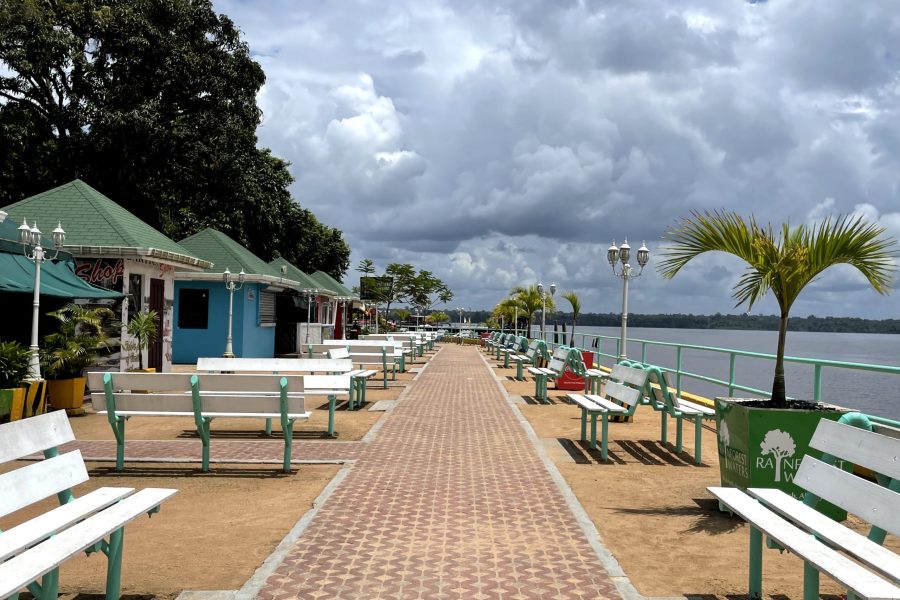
(450, 500)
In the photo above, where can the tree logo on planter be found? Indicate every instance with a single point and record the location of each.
(781, 445)
(724, 434)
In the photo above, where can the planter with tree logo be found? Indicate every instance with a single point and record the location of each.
(763, 447)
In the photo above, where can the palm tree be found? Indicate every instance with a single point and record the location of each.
(529, 301)
(505, 309)
(784, 262)
(573, 299)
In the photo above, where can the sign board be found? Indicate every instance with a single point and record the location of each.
(105, 273)
(375, 288)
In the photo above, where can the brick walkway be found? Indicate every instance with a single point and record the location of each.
(450, 500)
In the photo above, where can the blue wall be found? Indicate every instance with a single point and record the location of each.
(249, 340)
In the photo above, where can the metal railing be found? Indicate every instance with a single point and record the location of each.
(587, 341)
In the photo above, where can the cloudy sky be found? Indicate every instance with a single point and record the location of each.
(505, 142)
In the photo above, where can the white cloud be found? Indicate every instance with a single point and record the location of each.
(498, 143)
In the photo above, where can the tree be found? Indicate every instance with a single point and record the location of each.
(779, 444)
(143, 327)
(153, 102)
(425, 290)
(366, 266)
(784, 263)
(437, 317)
(402, 314)
(529, 301)
(401, 276)
(573, 299)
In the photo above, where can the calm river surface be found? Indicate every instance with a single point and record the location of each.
(874, 393)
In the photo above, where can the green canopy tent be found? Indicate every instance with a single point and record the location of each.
(57, 279)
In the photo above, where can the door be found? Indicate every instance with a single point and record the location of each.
(157, 303)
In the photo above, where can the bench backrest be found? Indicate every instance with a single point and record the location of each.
(533, 348)
(338, 352)
(374, 346)
(181, 392)
(876, 504)
(660, 393)
(38, 480)
(521, 344)
(626, 385)
(559, 359)
(273, 365)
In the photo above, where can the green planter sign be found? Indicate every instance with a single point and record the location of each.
(763, 447)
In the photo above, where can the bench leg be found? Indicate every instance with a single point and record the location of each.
(755, 584)
(593, 431)
(288, 446)
(519, 376)
(810, 582)
(604, 431)
(119, 432)
(663, 426)
(204, 440)
(332, 401)
(583, 424)
(268, 426)
(678, 440)
(114, 568)
(698, 431)
(506, 360)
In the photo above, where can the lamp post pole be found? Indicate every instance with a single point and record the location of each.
(622, 254)
(31, 236)
(540, 289)
(517, 322)
(231, 286)
(309, 296)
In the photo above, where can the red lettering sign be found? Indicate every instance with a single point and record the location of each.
(104, 273)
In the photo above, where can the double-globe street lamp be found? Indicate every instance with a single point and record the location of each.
(232, 285)
(623, 253)
(31, 237)
(540, 290)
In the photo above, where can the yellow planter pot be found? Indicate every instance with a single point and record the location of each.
(67, 393)
(11, 402)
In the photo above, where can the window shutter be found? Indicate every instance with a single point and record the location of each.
(266, 307)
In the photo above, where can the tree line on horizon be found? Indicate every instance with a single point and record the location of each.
(718, 321)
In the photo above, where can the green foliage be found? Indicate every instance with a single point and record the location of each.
(75, 346)
(14, 361)
(366, 266)
(401, 314)
(529, 302)
(575, 302)
(437, 317)
(143, 327)
(422, 290)
(153, 102)
(784, 262)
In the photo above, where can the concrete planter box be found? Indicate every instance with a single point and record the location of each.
(763, 447)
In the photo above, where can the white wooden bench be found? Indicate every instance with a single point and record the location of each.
(34, 549)
(622, 394)
(285, 366)
(414, 343)
(553, 370)
(390, 356)
(358, 377)
(400, 348)
(203, 397)
(536, 350)
(663, 399)
(857, 562)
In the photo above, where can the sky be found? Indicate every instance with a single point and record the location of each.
(509, 142)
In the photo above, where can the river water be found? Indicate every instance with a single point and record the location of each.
(873, 393)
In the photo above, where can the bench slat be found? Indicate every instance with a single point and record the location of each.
(25, 535)
(828, 561)
(39, 480)
(182, 403)
(869, 501)
(35, 434)
(685, 404)
(621, 393)
(29, 566)
(607, 404)
(629, 375)
(273, 365)
(141, 381)
(858, 545)
(881, 453)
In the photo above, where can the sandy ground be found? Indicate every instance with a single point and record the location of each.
(165, 554)
(651, 506)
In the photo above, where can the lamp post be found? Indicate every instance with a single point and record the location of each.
(231, 285)
(623, 253)
(540, 289)
(460, 310)
(31, 237)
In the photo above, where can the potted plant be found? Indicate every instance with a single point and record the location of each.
(143, 327)
(761, 441)
(14, 361)
(70, 350)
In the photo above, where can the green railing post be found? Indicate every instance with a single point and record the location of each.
(817, 383)
(644, 352)
(731, 361)
(678, 369)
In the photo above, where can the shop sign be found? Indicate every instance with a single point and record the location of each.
(105, 273)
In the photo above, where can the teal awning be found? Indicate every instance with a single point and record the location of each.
(57, 279)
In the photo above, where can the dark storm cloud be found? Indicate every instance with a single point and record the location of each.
(501, 143)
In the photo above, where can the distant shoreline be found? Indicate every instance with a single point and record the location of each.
(720, 321)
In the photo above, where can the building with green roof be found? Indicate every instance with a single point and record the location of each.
(116, 250)
(202, 300)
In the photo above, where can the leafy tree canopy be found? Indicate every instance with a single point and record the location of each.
(419, 289)
(153, 102)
